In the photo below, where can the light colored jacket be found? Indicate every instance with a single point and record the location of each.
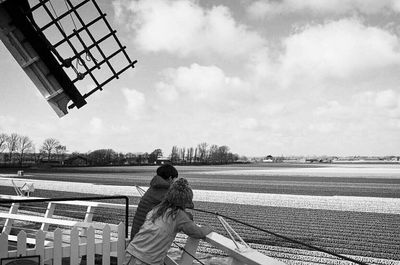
(153, 240)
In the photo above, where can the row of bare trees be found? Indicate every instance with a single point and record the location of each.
(15, 148)
(20, 149)
(203, 153)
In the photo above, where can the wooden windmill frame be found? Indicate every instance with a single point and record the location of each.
(46, 62)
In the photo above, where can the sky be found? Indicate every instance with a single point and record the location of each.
(264, 78)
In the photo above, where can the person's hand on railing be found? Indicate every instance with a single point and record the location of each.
(206, 229)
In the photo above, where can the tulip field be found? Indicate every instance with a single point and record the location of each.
(358, 234)
(347, 226)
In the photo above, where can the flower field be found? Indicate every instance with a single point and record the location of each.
(351, 233)
(315, 180)
(361, 220)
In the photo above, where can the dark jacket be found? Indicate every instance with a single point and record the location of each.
(152, 197)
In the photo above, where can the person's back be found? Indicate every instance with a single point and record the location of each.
(159, 186)
(150, 245)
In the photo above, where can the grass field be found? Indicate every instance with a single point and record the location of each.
(373, 237)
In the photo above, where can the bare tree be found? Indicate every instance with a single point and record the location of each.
(182, 152)
(174, 154)
(49, 146)
(195, 156)
(12, 144)
(214, 153)
(189, 155)
(60, 151)
(202, 149)
(3, 142)
(24, 144)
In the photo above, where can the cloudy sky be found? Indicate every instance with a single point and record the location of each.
(275, 77)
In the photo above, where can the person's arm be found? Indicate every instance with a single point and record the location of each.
(189, 227)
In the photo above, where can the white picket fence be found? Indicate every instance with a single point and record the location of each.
(87, 238)
(115, 247)
(106, 247)
(74, 249)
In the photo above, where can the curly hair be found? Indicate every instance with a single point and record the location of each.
(179, 196)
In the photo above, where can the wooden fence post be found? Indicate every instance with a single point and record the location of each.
(121, 244)
(3, 245)
(74, 244)
(57, 247)
(39, 247)
(106, 245)
(21, 243)
(90, 247)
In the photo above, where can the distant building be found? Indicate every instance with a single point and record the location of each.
(268, 159)
(162, 161)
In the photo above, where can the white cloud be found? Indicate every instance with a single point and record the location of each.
(338, 49)
(167, 92)
(331, 109)
(388, 99)
(96, 126)
(208, 84)
(265, 9)
(120, 129)
(365, 112)
(198, 81)
(136, 102)
(324, 127)
(7, 124)
(184, 28)
(273, 108)
(383, 104)
(10, 124)
(261, 69)
(249, 123)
